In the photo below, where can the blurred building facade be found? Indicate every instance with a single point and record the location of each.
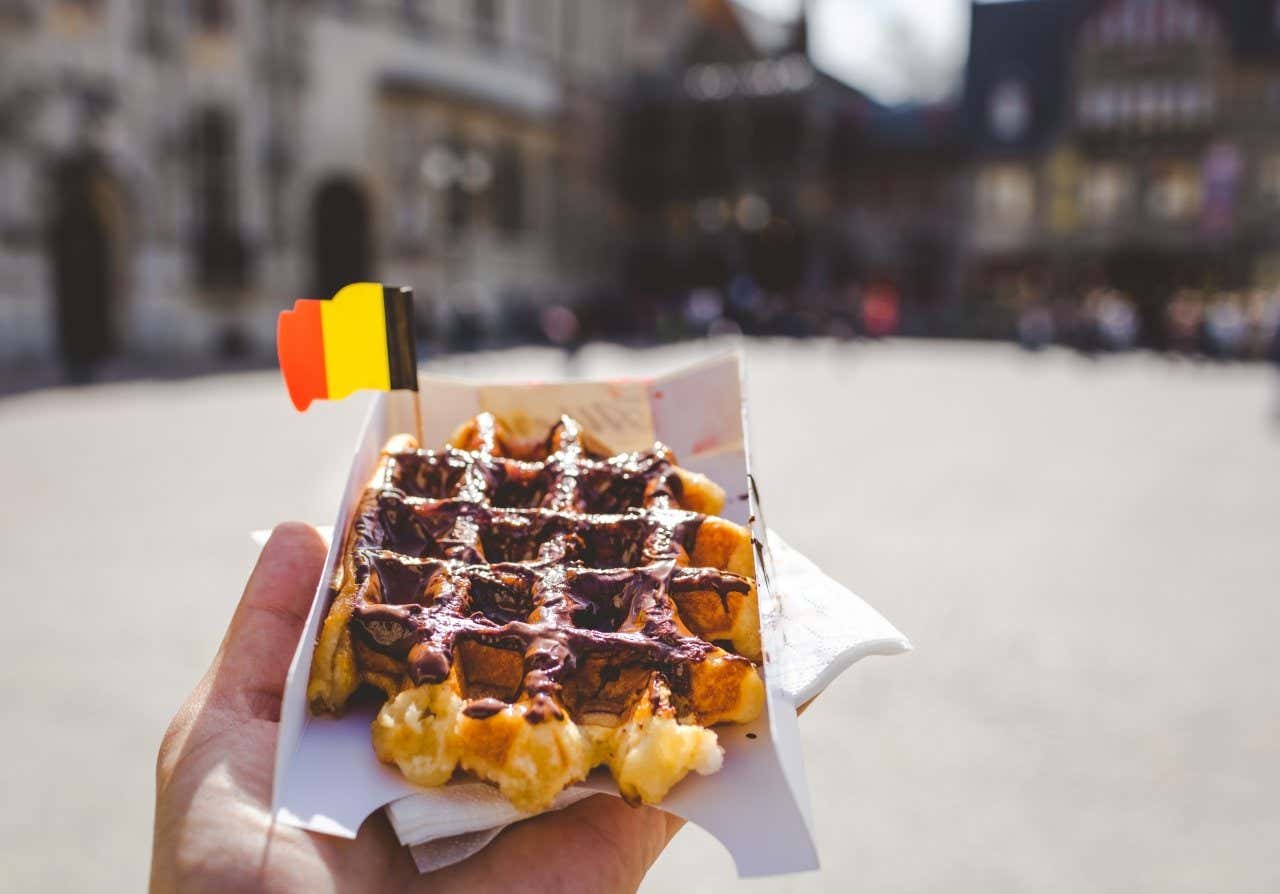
(1113, 151)
(778, 194)
(1127, 144)
(171, 174)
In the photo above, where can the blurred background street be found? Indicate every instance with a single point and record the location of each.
(1096, 174)
(1083, 552)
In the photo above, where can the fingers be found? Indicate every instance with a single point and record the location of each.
(248, 674)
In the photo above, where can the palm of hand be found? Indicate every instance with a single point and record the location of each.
(213, 784)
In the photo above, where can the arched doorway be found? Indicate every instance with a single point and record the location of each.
(84, 242)
(341, 236)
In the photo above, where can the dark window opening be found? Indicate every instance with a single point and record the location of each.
(711, 169)
(708, 267)
(215, 15)
(777, 131)
(457, 208)
(154, 35)
(508, 190)
(777, 257)
(341, 237)
(18, 12)
(83, 243)
(459, 205)
(568, 28)
(415, 14)
(485, 14)
(642, 153)
(88, 6)
(221, 254)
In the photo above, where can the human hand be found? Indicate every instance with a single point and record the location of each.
(214, 829)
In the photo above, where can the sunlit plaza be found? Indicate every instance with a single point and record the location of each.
(1082, 552)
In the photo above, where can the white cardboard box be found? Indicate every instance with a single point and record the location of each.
(327, 778)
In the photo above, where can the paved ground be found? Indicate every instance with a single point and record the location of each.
(1086, 555)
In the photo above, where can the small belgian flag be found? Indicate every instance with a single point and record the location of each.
(361, 338)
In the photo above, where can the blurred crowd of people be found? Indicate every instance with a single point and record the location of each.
(1223, 325)
(871, 310)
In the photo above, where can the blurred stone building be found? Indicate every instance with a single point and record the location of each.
(1125, 144)
(172, 174)
(1132, 143)
(756, 180)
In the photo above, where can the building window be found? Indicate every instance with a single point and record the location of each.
(70, 16)
(485, 20)
(508, 189)
(1148, 104)
(154, 35)
(457, 209)
(14, 189)
(1107, 106)
(220, 257)
(1173, 193)
(17, 12)
(1146, 23)
(215, 15)
(538, 24)
(415, 14)
(1167, 94)
(341, 236)
(1269, 178)
(1006, 195)
(1104, 192)
(1085, 107)
(1009, 110)
(1098, 107)
(458, 203)
(1195, 102)
(1062, 206)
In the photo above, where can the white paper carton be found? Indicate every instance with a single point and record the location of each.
(327, 778)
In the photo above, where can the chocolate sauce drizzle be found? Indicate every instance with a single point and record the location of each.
(563, 559)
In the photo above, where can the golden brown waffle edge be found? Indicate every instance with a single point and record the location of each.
(533, 610)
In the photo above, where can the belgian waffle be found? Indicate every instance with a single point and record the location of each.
(531, 611)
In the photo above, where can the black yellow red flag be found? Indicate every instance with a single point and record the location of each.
(361, 338)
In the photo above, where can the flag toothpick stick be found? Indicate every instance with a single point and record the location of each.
(417, 419)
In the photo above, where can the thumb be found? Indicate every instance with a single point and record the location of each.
(247, 676)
